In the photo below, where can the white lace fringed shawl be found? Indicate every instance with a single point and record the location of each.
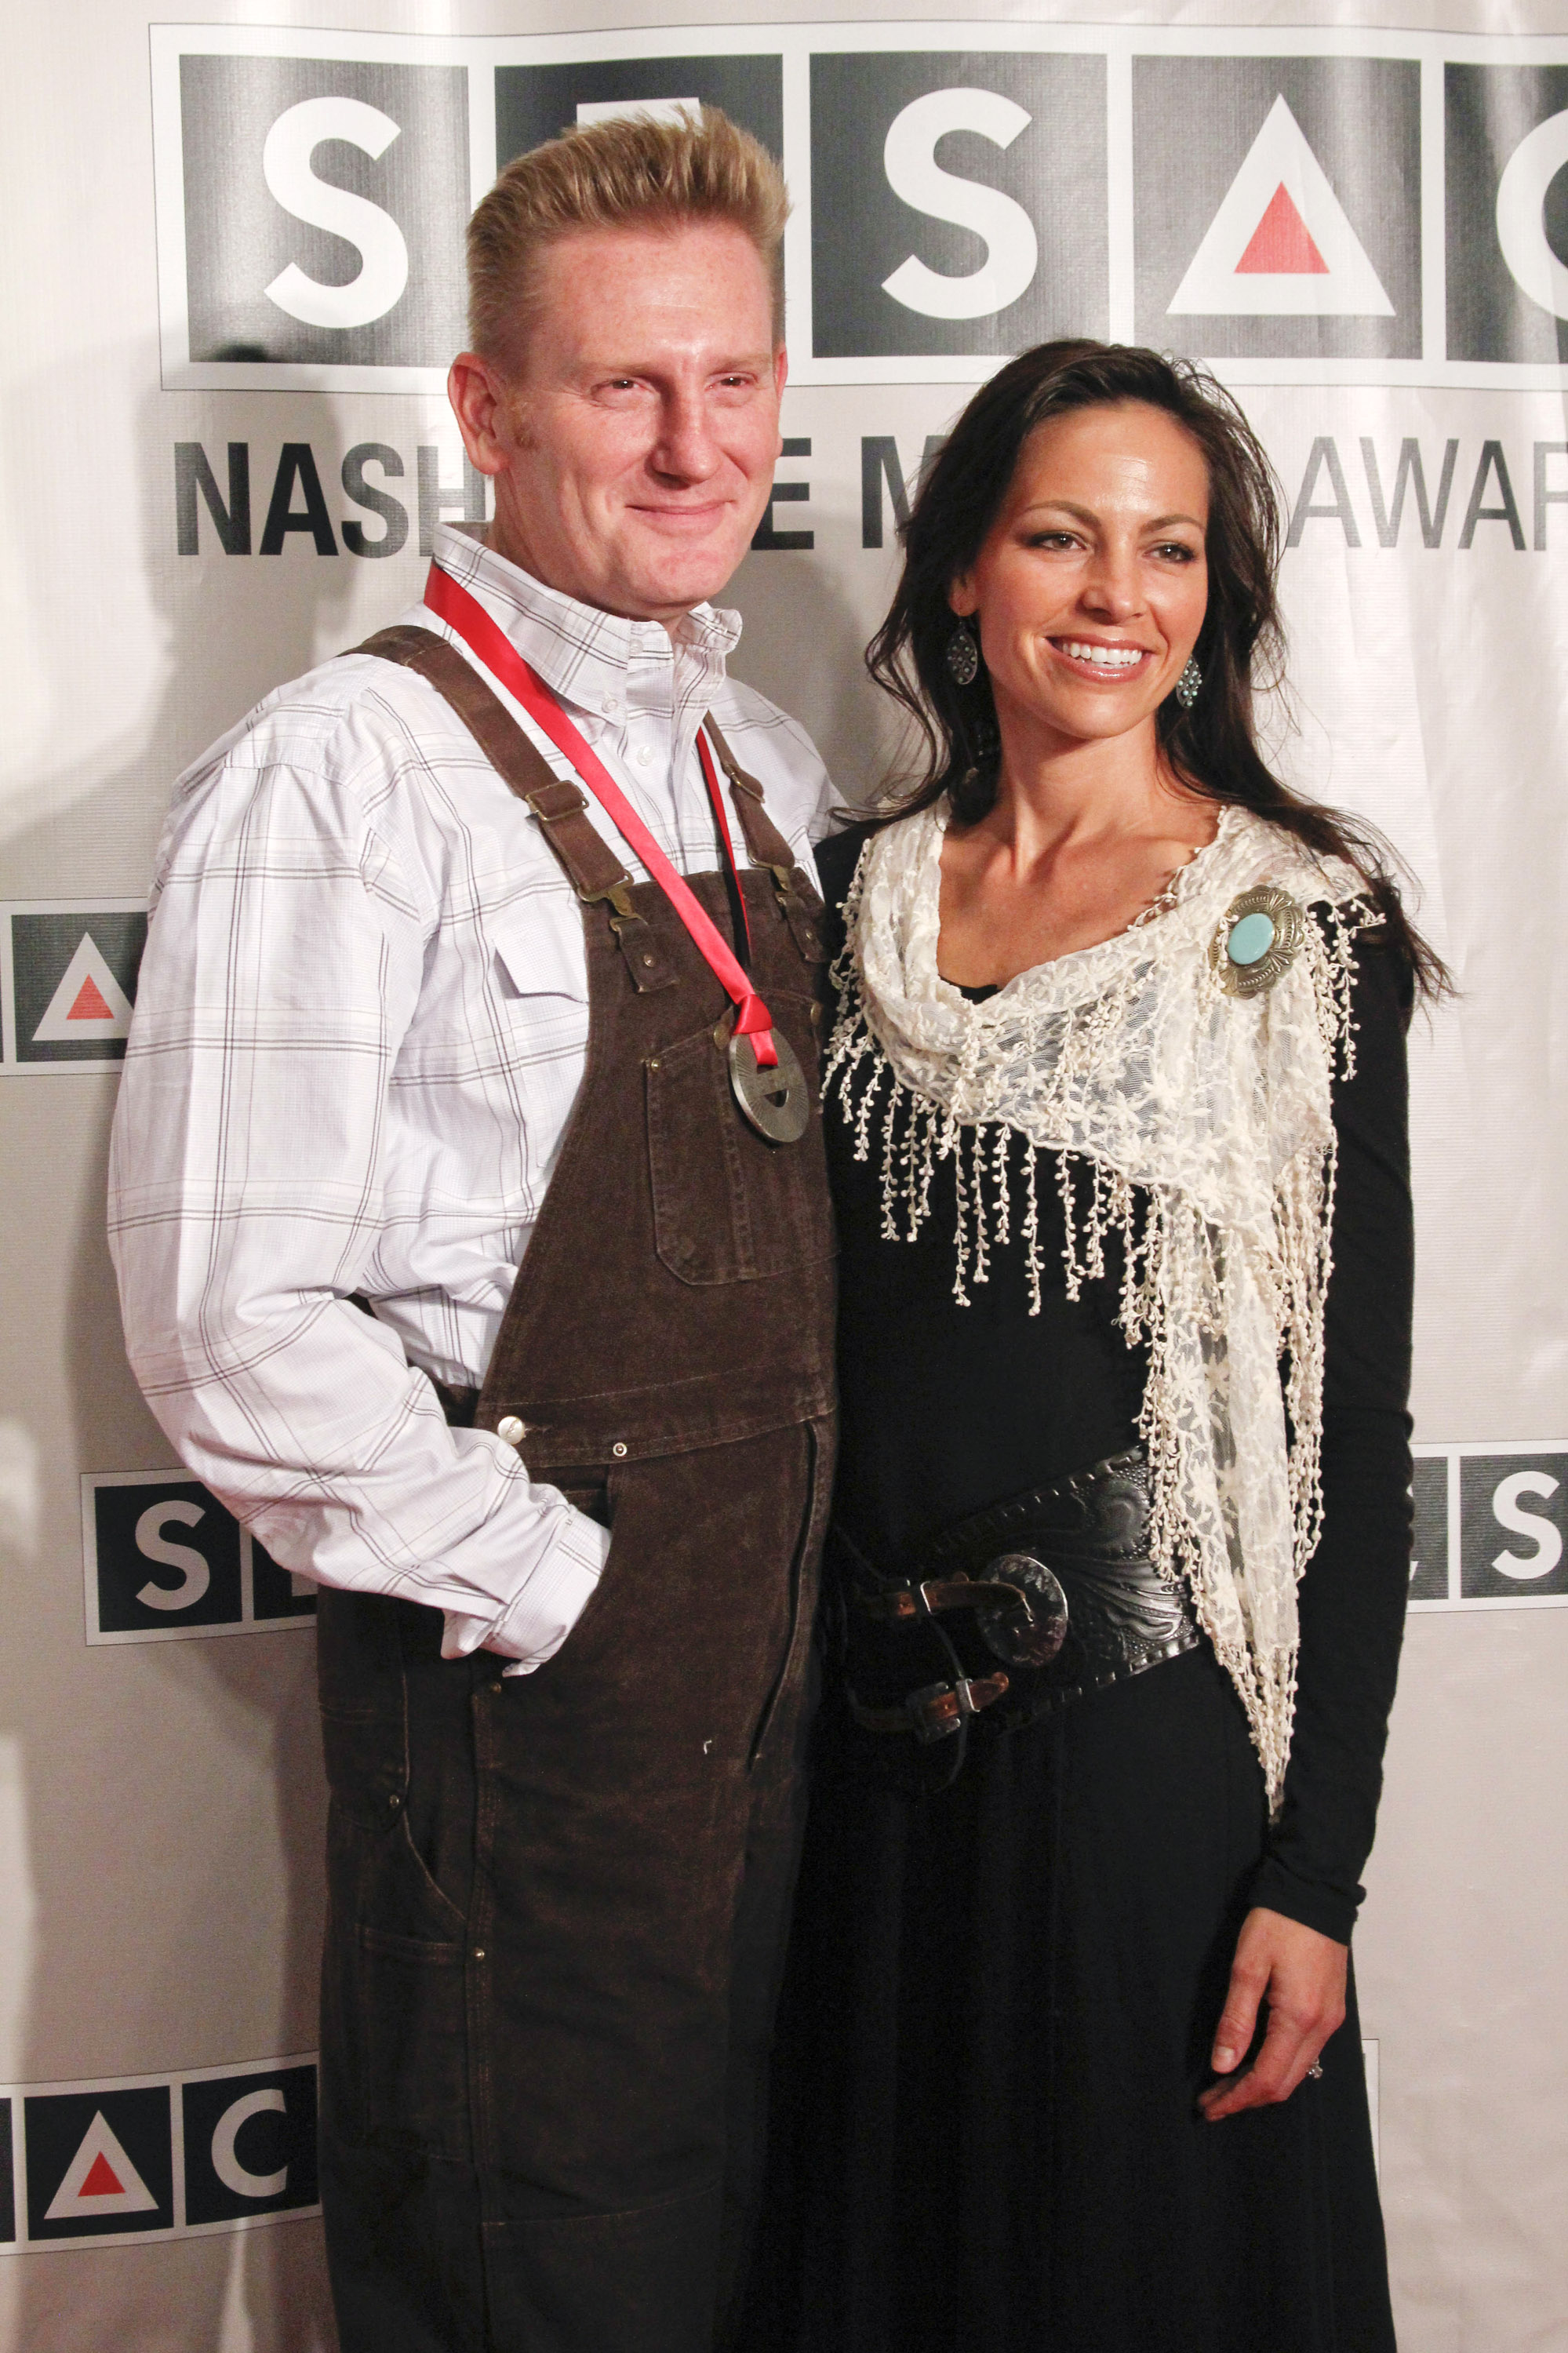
(1131, 1062)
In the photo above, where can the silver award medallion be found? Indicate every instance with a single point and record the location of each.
(776, 1103)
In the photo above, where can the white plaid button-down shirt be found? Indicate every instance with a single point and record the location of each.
(360, 1028)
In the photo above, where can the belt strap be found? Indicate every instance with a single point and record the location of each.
(936, 1712)
(900, 1603)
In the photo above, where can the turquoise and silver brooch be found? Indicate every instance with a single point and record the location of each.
(1258, 939)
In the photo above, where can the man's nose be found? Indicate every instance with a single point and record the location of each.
(685, 449)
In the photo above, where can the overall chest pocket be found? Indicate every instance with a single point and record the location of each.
(727, 1206)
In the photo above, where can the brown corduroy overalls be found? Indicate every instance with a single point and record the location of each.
(557, 1901)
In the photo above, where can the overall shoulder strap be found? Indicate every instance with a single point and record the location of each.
(763, 839)
(768, 847)
(591, 866)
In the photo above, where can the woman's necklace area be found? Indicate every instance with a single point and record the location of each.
(1161, 902)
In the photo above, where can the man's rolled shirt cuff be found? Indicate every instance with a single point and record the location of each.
(532, 1628)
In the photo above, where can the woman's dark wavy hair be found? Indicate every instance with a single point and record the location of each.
(1213, 747)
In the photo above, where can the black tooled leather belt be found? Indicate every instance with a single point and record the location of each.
(1027, 1606)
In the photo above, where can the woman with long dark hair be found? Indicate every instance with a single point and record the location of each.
(1116, 1107)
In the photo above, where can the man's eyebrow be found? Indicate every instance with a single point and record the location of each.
(733, 363)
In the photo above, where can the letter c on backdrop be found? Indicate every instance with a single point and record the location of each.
(1521, 214)
(909, 158)
(286, 162)
(226, 2163)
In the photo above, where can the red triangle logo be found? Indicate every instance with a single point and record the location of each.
(90, 1003)
(102, 2180)
(1281, 244)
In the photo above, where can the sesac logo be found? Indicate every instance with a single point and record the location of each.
(1279, 205)
(68, 981)
(951, 211)
(1490, 1522)
(98, 2161)
(954, 202)
(533, 103)
(317, 218)
(1507, 198)
(161, 1560)
(158, 2158)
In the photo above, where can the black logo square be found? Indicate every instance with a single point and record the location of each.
(958, 202)
(1513, 1513)
(74, 982)
(534, 104)
(1506, 177)
(167, 1556)
(99, 2163)
(1429, 1560)
(325, 201)
(251, 2144)
(272, 1589)
(7, 2178)
(1277, 207)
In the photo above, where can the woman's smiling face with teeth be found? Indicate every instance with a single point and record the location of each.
(1090, 588)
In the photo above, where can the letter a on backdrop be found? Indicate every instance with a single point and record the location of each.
(100, 2180)
(88, 1002)
(1280, 242)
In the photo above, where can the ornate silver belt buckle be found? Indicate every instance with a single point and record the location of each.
(1033, 1636)
(776, 1103)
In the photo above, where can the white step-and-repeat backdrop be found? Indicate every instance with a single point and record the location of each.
(233, 282)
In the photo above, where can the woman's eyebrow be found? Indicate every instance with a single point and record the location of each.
(1088, 515)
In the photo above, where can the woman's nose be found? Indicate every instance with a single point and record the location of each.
(1112, 585)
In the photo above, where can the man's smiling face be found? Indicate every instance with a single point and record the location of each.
(632, 445)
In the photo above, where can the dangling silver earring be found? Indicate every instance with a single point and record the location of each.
(1187, 685)
(963, 655)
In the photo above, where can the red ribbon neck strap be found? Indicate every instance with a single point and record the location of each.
(495, 652)
(716, 799)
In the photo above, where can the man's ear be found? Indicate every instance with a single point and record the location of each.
(479, 394)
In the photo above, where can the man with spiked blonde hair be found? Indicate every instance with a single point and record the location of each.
(473, 1243)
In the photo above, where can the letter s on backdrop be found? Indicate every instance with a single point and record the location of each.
(286, 162)
(913, 172)
(1509, 1512)
(196, 1574)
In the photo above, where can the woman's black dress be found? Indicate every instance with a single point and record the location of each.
(1001, 1998)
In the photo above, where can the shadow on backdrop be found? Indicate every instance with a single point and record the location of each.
(231, 629)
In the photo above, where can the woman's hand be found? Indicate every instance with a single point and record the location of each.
(1302, 1975)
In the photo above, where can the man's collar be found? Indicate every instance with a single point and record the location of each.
(583, 655)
